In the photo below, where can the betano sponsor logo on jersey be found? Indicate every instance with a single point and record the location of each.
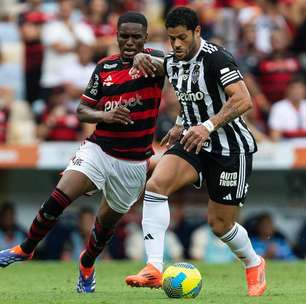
(189, 96)
(123, 102)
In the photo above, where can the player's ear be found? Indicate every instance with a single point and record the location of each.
(197, 31)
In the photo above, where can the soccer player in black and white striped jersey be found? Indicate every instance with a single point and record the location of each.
(210, 139)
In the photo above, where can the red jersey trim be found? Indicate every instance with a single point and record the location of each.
(89, 100)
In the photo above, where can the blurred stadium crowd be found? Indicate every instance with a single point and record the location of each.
(48, 50)
(188, 237)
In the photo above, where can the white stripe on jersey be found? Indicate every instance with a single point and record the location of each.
(241, 178)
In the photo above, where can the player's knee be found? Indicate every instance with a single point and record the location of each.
(156, 186)
(219, 225)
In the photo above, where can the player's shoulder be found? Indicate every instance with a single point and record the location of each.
(109, 59)
(215, 51)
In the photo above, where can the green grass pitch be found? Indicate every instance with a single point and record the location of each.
(54, 282)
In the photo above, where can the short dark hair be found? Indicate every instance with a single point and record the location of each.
(133, 17)
(183, 16)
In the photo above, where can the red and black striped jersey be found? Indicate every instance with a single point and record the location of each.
(112, 85)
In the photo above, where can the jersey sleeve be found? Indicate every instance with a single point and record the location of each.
(224, 68)
(93, 91)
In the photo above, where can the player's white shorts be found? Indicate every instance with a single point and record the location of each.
(121, 181)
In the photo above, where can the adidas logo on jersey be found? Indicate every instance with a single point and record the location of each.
(108, 81)
(227, 197)
(148, 237)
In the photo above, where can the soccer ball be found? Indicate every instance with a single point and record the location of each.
(182, 280)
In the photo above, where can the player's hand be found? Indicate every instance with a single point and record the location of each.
(172, 136)
(144, 63)
(117, 115)
(194, 138)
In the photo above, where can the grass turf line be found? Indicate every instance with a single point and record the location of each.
(54, 283)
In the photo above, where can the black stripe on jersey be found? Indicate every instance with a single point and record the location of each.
(175, 71)
(242, 138)
(138, 125)
(123, 142)
(131, 86)
(247, 129)
(188, 104)
(129, 155)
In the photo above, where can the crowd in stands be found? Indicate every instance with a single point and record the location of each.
(188, 237)
(48, 50)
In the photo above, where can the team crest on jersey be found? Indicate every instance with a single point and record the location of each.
(108, 81)
(195, 74)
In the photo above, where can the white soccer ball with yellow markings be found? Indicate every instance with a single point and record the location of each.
(182, 280)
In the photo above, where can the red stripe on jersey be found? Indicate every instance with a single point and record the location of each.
(149, 147)
(146, 93)
(89, 100)
(144, 114)
(118, 76)
(114, 134)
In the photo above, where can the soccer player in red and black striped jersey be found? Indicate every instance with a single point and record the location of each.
(124, 107)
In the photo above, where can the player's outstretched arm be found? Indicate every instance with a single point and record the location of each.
(148, 65)
(89, 114)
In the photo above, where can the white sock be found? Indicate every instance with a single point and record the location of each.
(155, 221)
(238, 241)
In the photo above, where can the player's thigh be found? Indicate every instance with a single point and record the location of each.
(170, 174)
(85, 171)
(125, 183)
(74, 184)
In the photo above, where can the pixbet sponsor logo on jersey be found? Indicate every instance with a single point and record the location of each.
(192, 96)
(228, 179)
(123, 102)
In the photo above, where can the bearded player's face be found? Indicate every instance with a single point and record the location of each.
(184, 41)
(131, 39)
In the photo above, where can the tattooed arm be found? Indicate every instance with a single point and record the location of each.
(238, 103)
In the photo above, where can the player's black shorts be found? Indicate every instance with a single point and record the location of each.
(226, 176)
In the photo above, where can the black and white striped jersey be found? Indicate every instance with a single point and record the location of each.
(199, 85)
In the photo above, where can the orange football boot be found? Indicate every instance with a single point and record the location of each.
(149, 276)
(256, 279)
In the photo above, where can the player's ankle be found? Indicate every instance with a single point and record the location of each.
(253, 262)
(158, 265)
